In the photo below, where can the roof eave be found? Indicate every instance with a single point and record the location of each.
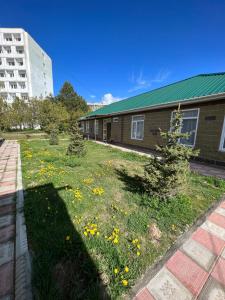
(166, 105)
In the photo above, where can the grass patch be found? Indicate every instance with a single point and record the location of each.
(85, 215)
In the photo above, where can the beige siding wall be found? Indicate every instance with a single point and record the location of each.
(210, 123)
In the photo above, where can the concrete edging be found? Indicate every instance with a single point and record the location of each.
(23, 290)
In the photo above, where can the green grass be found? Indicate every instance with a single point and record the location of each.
(28, 134)
(60, 205)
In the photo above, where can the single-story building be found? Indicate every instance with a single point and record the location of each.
(136, 121)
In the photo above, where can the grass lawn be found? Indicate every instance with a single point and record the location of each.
(27, 134)
(88, 219)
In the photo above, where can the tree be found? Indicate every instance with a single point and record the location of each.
(53, 139)
(50, 112)
(166, 174)
(76, 146)
(19, 113)
(4, 115)
(74, 103)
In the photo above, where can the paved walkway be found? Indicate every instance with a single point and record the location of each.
(197, 269)
(8, 178)
(202, 168)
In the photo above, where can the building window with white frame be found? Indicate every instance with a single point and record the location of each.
(137, 128)
(189, 125)
(222, 140)
(87, 127)
(96, 127)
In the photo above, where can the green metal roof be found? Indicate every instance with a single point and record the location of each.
(188, 89)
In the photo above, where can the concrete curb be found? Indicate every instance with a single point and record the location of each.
(23, 289)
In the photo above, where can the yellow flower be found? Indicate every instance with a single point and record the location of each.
(124, 282)
(139, 246)
(67, 238)
(116, 241)
(126, 269)
(85, 233)
(98, 191)
(116, 271)
(138, 253)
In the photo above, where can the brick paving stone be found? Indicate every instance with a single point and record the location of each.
(7, 209)
(6, 220)
(8, 183)
(7, 188)
(218, 271)
(144, 295)
(214, 229)
(210, 241)
(187, 271)
(201, 255)
(217, 219)
(212, 290)
(7, 193)
(222, 204)
(166, 286)
(6, 279)
(223, 253)
(7, 233)
(220, 211)
(6, 252)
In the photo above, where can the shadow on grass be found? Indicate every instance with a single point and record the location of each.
(134, 184)
(62, 267)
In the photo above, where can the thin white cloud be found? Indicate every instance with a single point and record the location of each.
(140, 82)
(109, 98)
(92, 96)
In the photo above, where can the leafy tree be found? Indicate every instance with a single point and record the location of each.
(166, 174)
(74, 103)
(50, 112)
(4, 115)
(19, 113)
(76, 146)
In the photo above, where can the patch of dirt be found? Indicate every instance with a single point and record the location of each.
(154, 233)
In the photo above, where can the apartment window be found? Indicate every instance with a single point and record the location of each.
(24, 96)
(20, 62)
(8, 37)
(19, 50)
(115, 120)
(137, 128)
(11, 62)
(17, 37)
(96, 126)
(2, 74)
(8, 50)
(189, 125)
(3, 96)
(13, 85)
(22, 74)
(87, 126)
(0, 61)
(22, 85)
(2, 85)
(11, 74)
(1, 51)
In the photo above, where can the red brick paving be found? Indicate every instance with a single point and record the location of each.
(187, 271)
(219, 271)
(217, 219)
(210, 241)
(8, 165)
(144, 295)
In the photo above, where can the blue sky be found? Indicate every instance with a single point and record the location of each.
(114, 49)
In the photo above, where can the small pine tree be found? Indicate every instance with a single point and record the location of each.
(166, 174)
(76, 146)
(53, 138)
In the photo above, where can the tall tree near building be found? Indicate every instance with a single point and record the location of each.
(166, 173)
(76, 146)
(74, 103)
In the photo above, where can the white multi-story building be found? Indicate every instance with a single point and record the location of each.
(25, 69)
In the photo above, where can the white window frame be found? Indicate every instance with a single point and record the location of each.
(87, 127)
(196, 129)
(222, 138)
(96, 127)
(115, 119)
(134, 137)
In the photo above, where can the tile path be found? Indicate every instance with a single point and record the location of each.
(197, 269)
(8, 178)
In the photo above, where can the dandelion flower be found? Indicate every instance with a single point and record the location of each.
(138, 253)
(116, 271)
(126, 269)
(67, 238)
(124, 282)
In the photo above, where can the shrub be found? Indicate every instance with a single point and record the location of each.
(76, 146)
(166, 174)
